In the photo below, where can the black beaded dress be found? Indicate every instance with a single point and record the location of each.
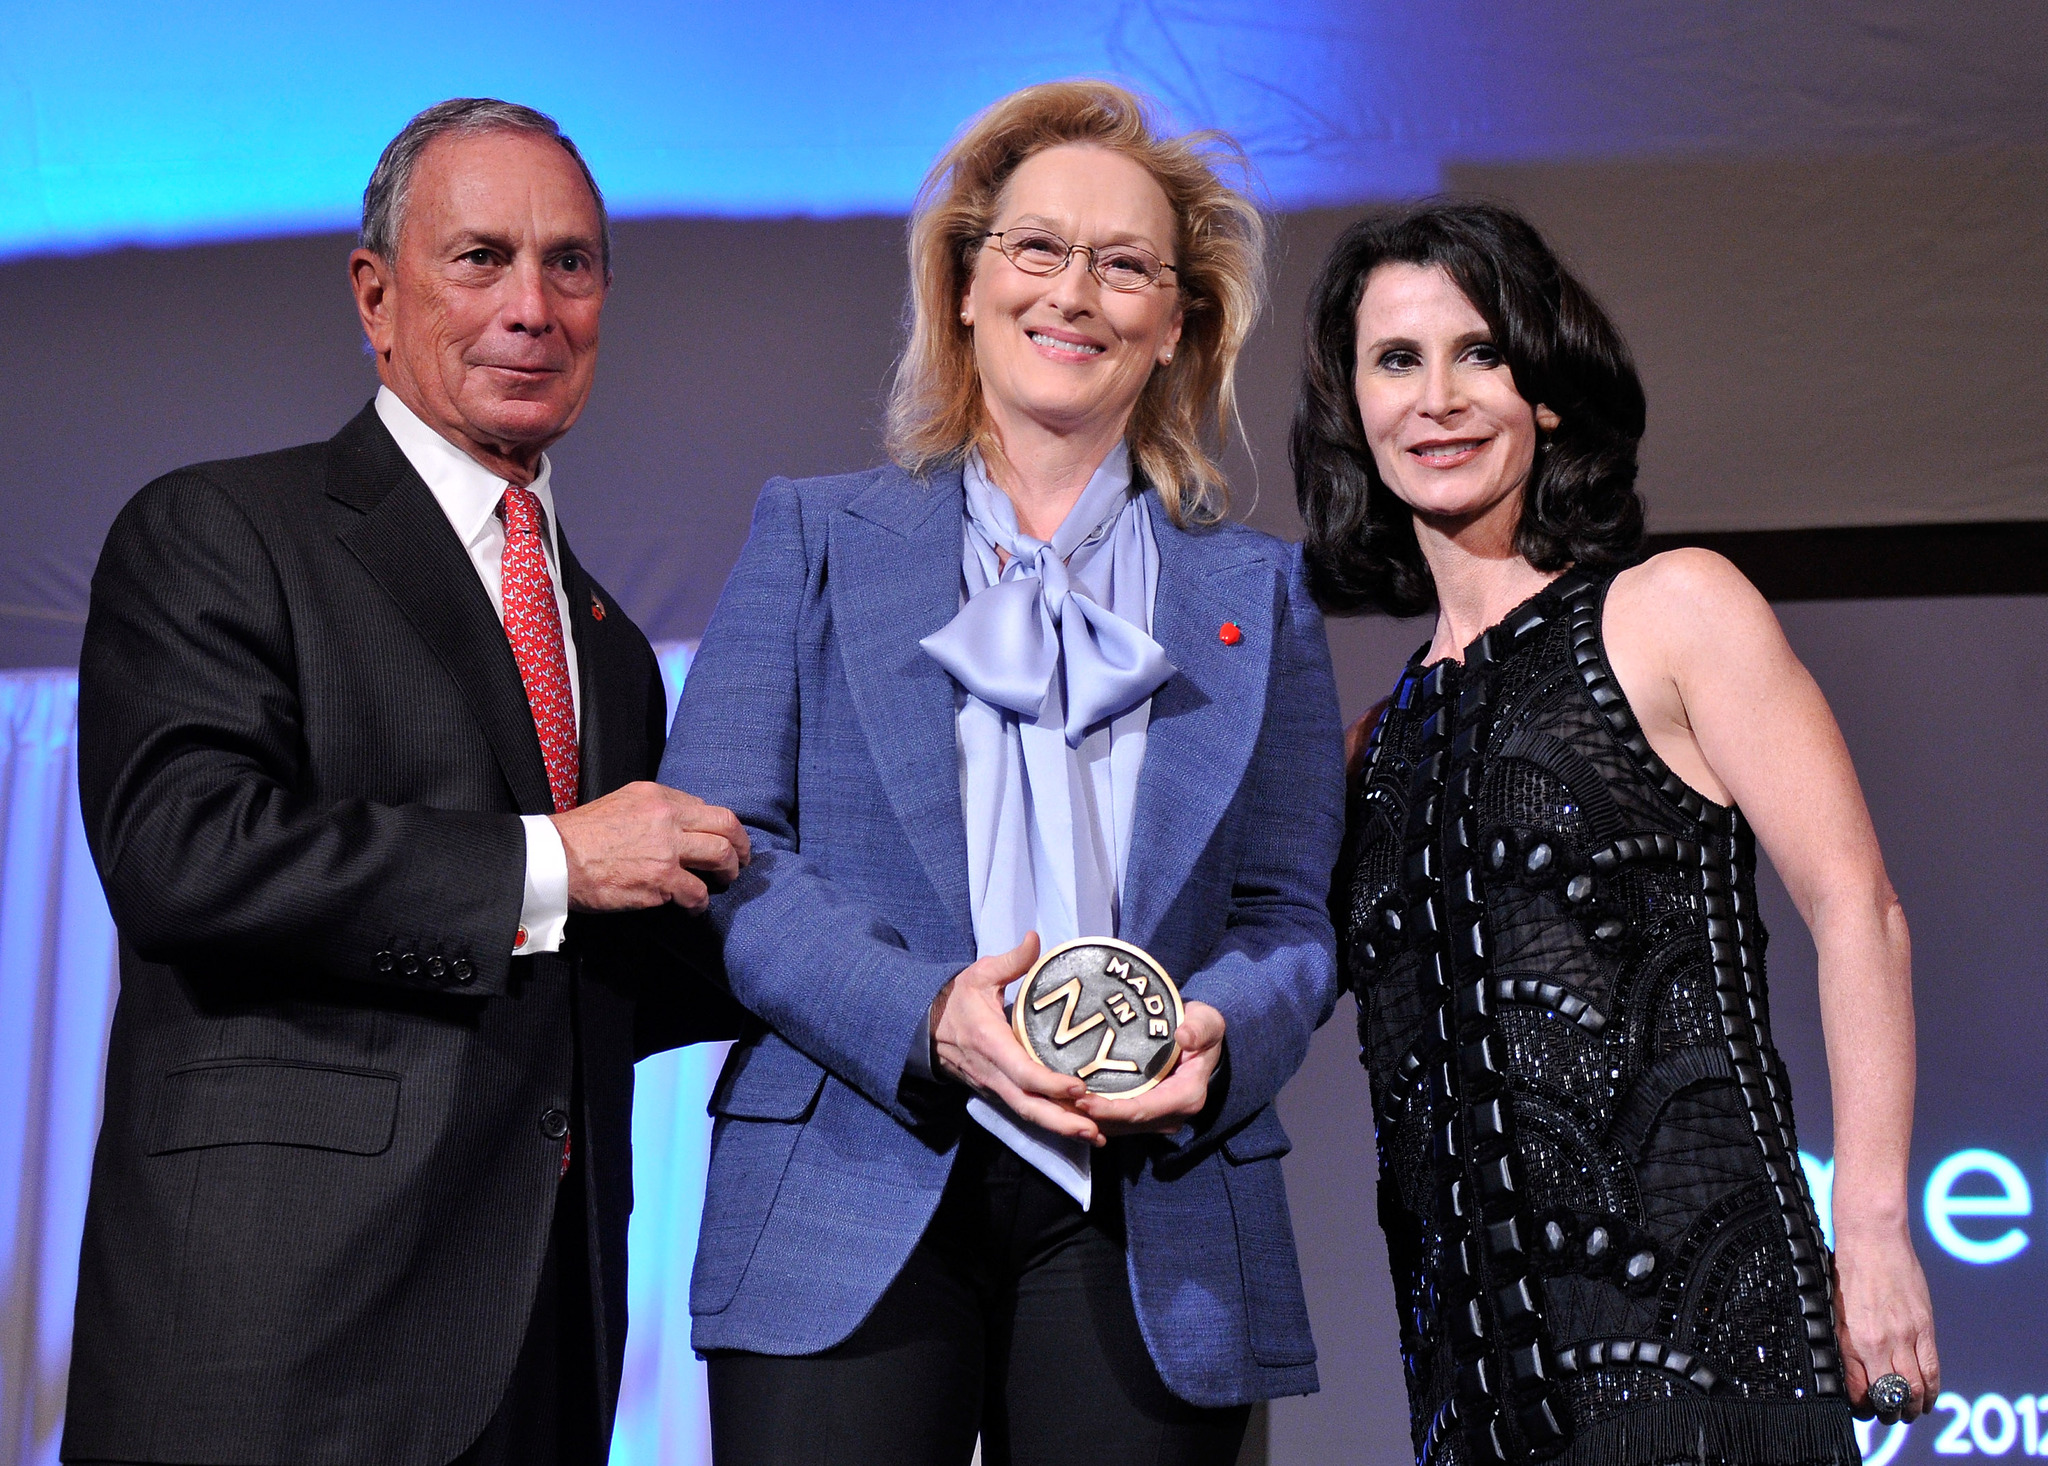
(1603, 1246)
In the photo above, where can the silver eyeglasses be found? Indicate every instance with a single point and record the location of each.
(1118, 266)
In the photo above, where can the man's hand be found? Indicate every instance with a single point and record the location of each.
(638, 846)
(1176, 1099)
(977, 1046)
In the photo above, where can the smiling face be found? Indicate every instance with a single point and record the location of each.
(1063, 353)
(1449, 432)
(486, 324)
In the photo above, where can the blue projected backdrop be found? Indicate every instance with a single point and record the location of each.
(168, 124)
(173, 122)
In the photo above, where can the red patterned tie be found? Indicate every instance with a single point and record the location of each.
(533, 624)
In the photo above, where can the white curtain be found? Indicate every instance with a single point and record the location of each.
(57, 981)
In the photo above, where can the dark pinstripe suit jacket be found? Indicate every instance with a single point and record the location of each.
(323, 1189)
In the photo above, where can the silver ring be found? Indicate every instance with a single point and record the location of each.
(1889, 1396)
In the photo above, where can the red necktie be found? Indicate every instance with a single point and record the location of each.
(533, 625)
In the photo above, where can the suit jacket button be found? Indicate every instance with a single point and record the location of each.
(436, 968)
(409, 964)
(460, 969)
(554, 1124)
(383, 962)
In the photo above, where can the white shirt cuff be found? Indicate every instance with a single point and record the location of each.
(544, 910)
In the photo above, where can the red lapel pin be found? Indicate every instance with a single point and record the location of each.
(596, 609)
(1229, 633)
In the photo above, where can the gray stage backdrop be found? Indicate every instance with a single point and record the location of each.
(1825, 341)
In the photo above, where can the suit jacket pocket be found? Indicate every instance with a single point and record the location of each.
(1277, 1313)
(274, 1102)
(763, 1097)
(766, 1080)
(1259, 1138)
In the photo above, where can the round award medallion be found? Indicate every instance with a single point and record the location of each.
(1102, 1011)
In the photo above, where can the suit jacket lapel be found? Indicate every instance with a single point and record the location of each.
(404, 540)
(1206, 718)
(606, 718)
(894, 558)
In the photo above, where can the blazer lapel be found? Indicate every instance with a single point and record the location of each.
(405, 542)
(1205, 719)
(894, 558)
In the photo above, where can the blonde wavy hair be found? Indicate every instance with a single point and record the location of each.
(936, 413)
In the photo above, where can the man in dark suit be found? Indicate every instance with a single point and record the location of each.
(363, 754)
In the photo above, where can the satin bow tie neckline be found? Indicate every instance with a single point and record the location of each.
(1042, 618)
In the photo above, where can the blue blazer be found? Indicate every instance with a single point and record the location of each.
(812, 713)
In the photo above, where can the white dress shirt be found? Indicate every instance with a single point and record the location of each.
(468, 494)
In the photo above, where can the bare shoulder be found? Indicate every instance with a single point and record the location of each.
(1687, 592)
(1688, 579)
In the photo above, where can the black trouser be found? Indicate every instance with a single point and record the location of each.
(1012, 1319)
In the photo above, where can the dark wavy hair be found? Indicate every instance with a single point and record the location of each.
(1580, 505)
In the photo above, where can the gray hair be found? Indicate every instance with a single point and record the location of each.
(385, 198)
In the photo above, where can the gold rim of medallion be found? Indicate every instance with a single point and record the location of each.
(1170, 987)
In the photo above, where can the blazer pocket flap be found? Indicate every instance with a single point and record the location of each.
(1260, 1139)
(767, 1080)
(275, 1102)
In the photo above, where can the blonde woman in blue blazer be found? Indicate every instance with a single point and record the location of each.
(1024, 685)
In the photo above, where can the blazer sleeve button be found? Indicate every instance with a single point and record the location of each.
(460, 969)
(409, 964)
(436, 968)
(554, 1124)
(382, 962)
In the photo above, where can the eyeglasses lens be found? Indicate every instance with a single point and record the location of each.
(1119, 266)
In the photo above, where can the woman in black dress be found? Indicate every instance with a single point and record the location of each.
(1603, 1246)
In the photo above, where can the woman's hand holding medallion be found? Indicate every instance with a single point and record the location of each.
(974, 1043)
(1176, 1099)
